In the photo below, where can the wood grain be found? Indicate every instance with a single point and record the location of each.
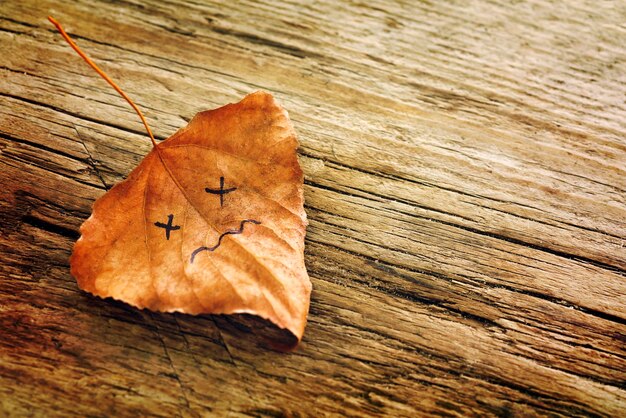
(465, 181)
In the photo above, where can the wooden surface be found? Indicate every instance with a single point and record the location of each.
(465, 181)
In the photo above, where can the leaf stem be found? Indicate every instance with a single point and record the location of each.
(103, 75)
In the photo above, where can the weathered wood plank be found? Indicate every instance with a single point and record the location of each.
(464, 179)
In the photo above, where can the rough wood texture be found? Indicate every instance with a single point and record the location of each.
(465, 170)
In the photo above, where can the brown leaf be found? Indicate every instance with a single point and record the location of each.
(211, 221)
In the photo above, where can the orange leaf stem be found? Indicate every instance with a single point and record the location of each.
(103, 75)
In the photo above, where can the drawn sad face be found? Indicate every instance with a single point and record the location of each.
(221, 192)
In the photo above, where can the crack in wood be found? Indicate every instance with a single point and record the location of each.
(90, 160)
(511, 240)
(171, 363)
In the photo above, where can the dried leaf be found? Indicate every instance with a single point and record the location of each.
(211, 221)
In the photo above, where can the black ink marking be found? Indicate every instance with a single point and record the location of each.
(168, 227)
(219, 240)
(221, 191)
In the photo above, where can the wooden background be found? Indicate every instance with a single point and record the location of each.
(465, 180)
